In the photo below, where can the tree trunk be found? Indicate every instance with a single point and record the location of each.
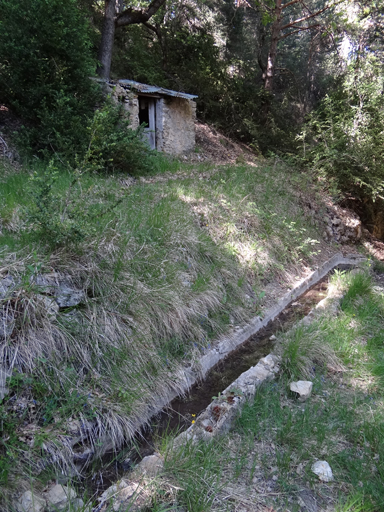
(114, 17)
(107, 38)
(275, 35)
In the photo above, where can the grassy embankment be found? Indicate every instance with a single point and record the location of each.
(166, 267)
(265, 462)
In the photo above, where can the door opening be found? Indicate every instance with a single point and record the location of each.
(147, 116)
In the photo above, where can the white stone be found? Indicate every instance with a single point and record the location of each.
(303, 388)
(323, 470)
(113, 490)
(30, 502)
(60, 493)
(272, 338)
(270, 361)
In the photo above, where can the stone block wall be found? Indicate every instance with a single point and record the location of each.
(130, 102)
(178, 126)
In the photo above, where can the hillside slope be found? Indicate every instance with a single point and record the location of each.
(111, 286)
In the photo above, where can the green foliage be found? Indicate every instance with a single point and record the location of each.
(54, 221)
(66, 217)
(45, 64)
(344, 139)
(196, 468)
(138, 55)
(113, 145)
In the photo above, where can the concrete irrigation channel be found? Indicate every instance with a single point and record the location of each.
(230, 372)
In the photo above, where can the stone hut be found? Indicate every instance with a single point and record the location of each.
(169, 115)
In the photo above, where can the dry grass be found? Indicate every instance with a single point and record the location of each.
(166, 272)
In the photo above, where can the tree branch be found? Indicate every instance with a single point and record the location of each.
(151, 27)
(299, 30)
(305, 18)
(131, 16)
(289, 3)
(306, 7)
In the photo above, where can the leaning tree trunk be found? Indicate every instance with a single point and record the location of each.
(107, 38)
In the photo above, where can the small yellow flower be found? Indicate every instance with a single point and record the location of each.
(193, 421)
(193, 415)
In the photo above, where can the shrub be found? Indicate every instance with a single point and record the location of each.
(45, 64)
(344, 138)
(113, 145)
(56, 219)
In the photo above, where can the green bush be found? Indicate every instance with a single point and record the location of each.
(344, 138)
(65, 214)
(113, 145)
(57, 218)
(45, 64)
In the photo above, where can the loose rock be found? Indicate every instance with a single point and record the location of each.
(49, 305)
(77, 504)
(4, 374)
(6, 286)
(125, 495)
(30, 502)
(303, 388)
(59, 493)
(151, 465)
(7, 322)
(323, 470)
(45, 283)
(67, 297)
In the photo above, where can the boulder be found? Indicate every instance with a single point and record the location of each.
(30, 502)
(323, 470)
(303, 388)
